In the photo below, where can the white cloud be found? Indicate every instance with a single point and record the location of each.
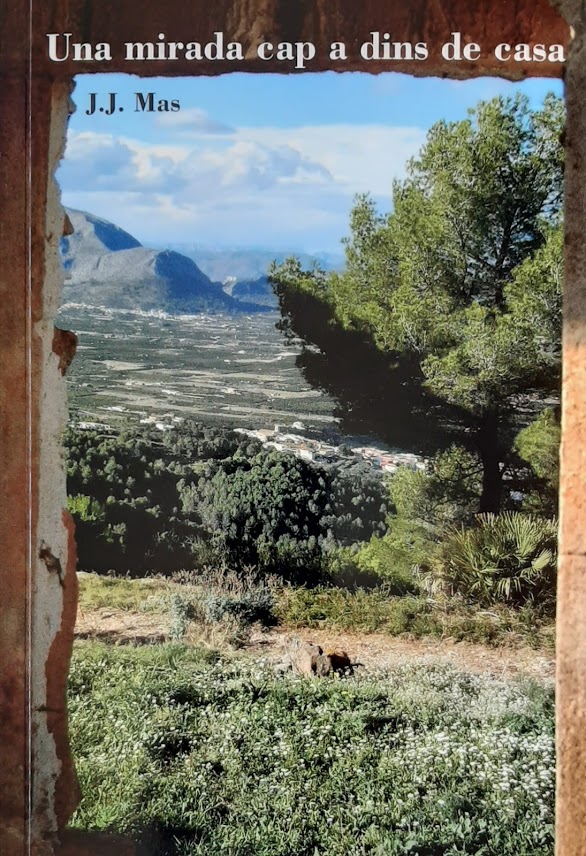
(102, 161)
(360, 158)
(267, 186)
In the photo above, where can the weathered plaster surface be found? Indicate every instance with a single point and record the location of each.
(571, 614)
(37, 607)
(54, 593)
(14, 494)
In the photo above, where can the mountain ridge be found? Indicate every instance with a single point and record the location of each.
(107, 266)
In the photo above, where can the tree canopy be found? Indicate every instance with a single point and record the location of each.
(452, 301)
(201, 495)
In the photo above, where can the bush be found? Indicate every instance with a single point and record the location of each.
(538, 445)
(425, 502)
(249, 607)
(447, 492)
(205, 496)
(509, 558)
(222, 596)
(266, 512)
(359, 611)
(182, 612)
(394, 556)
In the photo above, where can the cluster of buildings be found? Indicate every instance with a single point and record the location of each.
(157, 422)
(288, 440)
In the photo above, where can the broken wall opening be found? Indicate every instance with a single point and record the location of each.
(40, 599)
(109, 357)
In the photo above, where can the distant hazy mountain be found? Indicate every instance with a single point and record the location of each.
(257, 291)
(249, 264)
(108, 267)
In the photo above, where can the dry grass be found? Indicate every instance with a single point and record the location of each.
(124, 611)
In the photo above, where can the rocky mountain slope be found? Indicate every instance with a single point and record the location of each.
(106, 266)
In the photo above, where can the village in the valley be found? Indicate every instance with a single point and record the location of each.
(291, 439)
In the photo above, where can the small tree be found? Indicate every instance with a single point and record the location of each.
(267, 513)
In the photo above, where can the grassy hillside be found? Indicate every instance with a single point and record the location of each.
(197, 755)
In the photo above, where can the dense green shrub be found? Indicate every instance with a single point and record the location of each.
(393, 557)
(201, 496)
(424, 502)
(123, 497)
(446, 492)
(283, 515)
(509, 558)
(211, 599)
(539, 446)
(249, 607)
(267, 513)
(182, 612)
(191, 441)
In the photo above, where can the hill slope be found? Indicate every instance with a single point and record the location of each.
(106, 266)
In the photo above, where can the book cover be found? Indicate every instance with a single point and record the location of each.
(281, 420)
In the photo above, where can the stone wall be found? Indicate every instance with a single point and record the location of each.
(38, 597)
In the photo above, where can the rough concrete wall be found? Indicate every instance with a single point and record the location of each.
(38, 556)
(39, 587)
(14, 471)
(571, 613)
(54, 591)
(487, 22)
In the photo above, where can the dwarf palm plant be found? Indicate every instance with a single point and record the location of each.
(507, 558)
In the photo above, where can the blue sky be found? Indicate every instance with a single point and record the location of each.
(259, 160)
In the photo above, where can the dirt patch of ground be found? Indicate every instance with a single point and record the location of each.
(375, 652)
(379, 652)
(122, 626)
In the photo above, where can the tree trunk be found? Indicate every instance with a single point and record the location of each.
(492, 480)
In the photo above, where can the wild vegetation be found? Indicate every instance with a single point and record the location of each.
(202, 496)
(450, 305)
(441, 337)
(195, 755)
